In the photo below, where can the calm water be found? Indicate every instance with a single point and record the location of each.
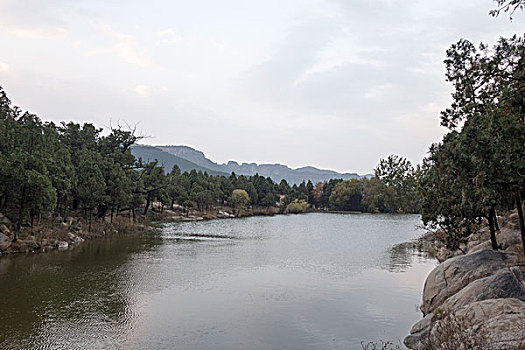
(315, 281)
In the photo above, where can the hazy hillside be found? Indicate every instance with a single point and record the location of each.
(150, 153)
(275, 171)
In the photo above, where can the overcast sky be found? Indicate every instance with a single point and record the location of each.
(330, 83)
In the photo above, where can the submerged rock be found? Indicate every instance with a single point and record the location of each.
(454, 274)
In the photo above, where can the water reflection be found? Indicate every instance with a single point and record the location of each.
(403, 256)
(67, 299)
(315, 281)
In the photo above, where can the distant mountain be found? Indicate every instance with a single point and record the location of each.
(168, 160)
(275, 171)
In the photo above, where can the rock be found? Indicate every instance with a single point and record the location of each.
(513, 255)
(75, 239)
(480, 246)
(443, 254)
(502, 284)
(512, 221)
(507, 237)
(4, 219)
(419, 332)
(5, 242)
(4, 229)
(63, 245)
(489, 325)
(452, 275)
(517, 273)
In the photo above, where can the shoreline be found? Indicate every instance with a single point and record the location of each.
(476, 295)
(61, 234)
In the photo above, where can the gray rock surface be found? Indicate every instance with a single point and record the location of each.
(4, 219)
(454, 274)
(502, 284)
(5, 242)
(4, 229)
(488, 325)
(419, 332)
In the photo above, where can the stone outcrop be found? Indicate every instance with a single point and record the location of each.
(475, 300)
(5, 242)
(456, 273)
(502, 284)
(4, 220)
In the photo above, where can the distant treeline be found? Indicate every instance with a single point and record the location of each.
(49, 170)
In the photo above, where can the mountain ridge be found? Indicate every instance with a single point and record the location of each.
(276, 171)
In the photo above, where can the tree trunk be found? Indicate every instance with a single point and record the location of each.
(148, 200)
(112, 211)
(494, 218)
(492, 232)
(90, 212)
(520, 218)
(20, 214)
(133, 213)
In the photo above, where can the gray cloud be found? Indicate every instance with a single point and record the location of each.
(331, 83)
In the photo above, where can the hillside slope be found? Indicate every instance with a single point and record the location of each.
(168, 160)
(275, 171)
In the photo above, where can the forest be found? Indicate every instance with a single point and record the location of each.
(50, 171)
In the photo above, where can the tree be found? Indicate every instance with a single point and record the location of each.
(347, 196)
(506, 6)
(375, 195)
(91, 186)
(479, 164)
(399, 194)
(297, 206)
(239, 199)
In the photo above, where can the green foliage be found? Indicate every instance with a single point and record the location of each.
(479, 165)
(240, 199)
(297, 206)
(347, 195)
(398, 194)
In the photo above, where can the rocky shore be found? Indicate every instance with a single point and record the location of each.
(475, 299)
(62, 233)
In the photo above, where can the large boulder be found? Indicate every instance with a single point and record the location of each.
(508, 237)
(4, 219)
(489, 325)
(503, 284)
(419, 333)
(454, 274)
(5, 242)
(4, 229)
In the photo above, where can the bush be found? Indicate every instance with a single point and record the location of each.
(297, 207)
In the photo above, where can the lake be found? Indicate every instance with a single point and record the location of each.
(311, 281)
